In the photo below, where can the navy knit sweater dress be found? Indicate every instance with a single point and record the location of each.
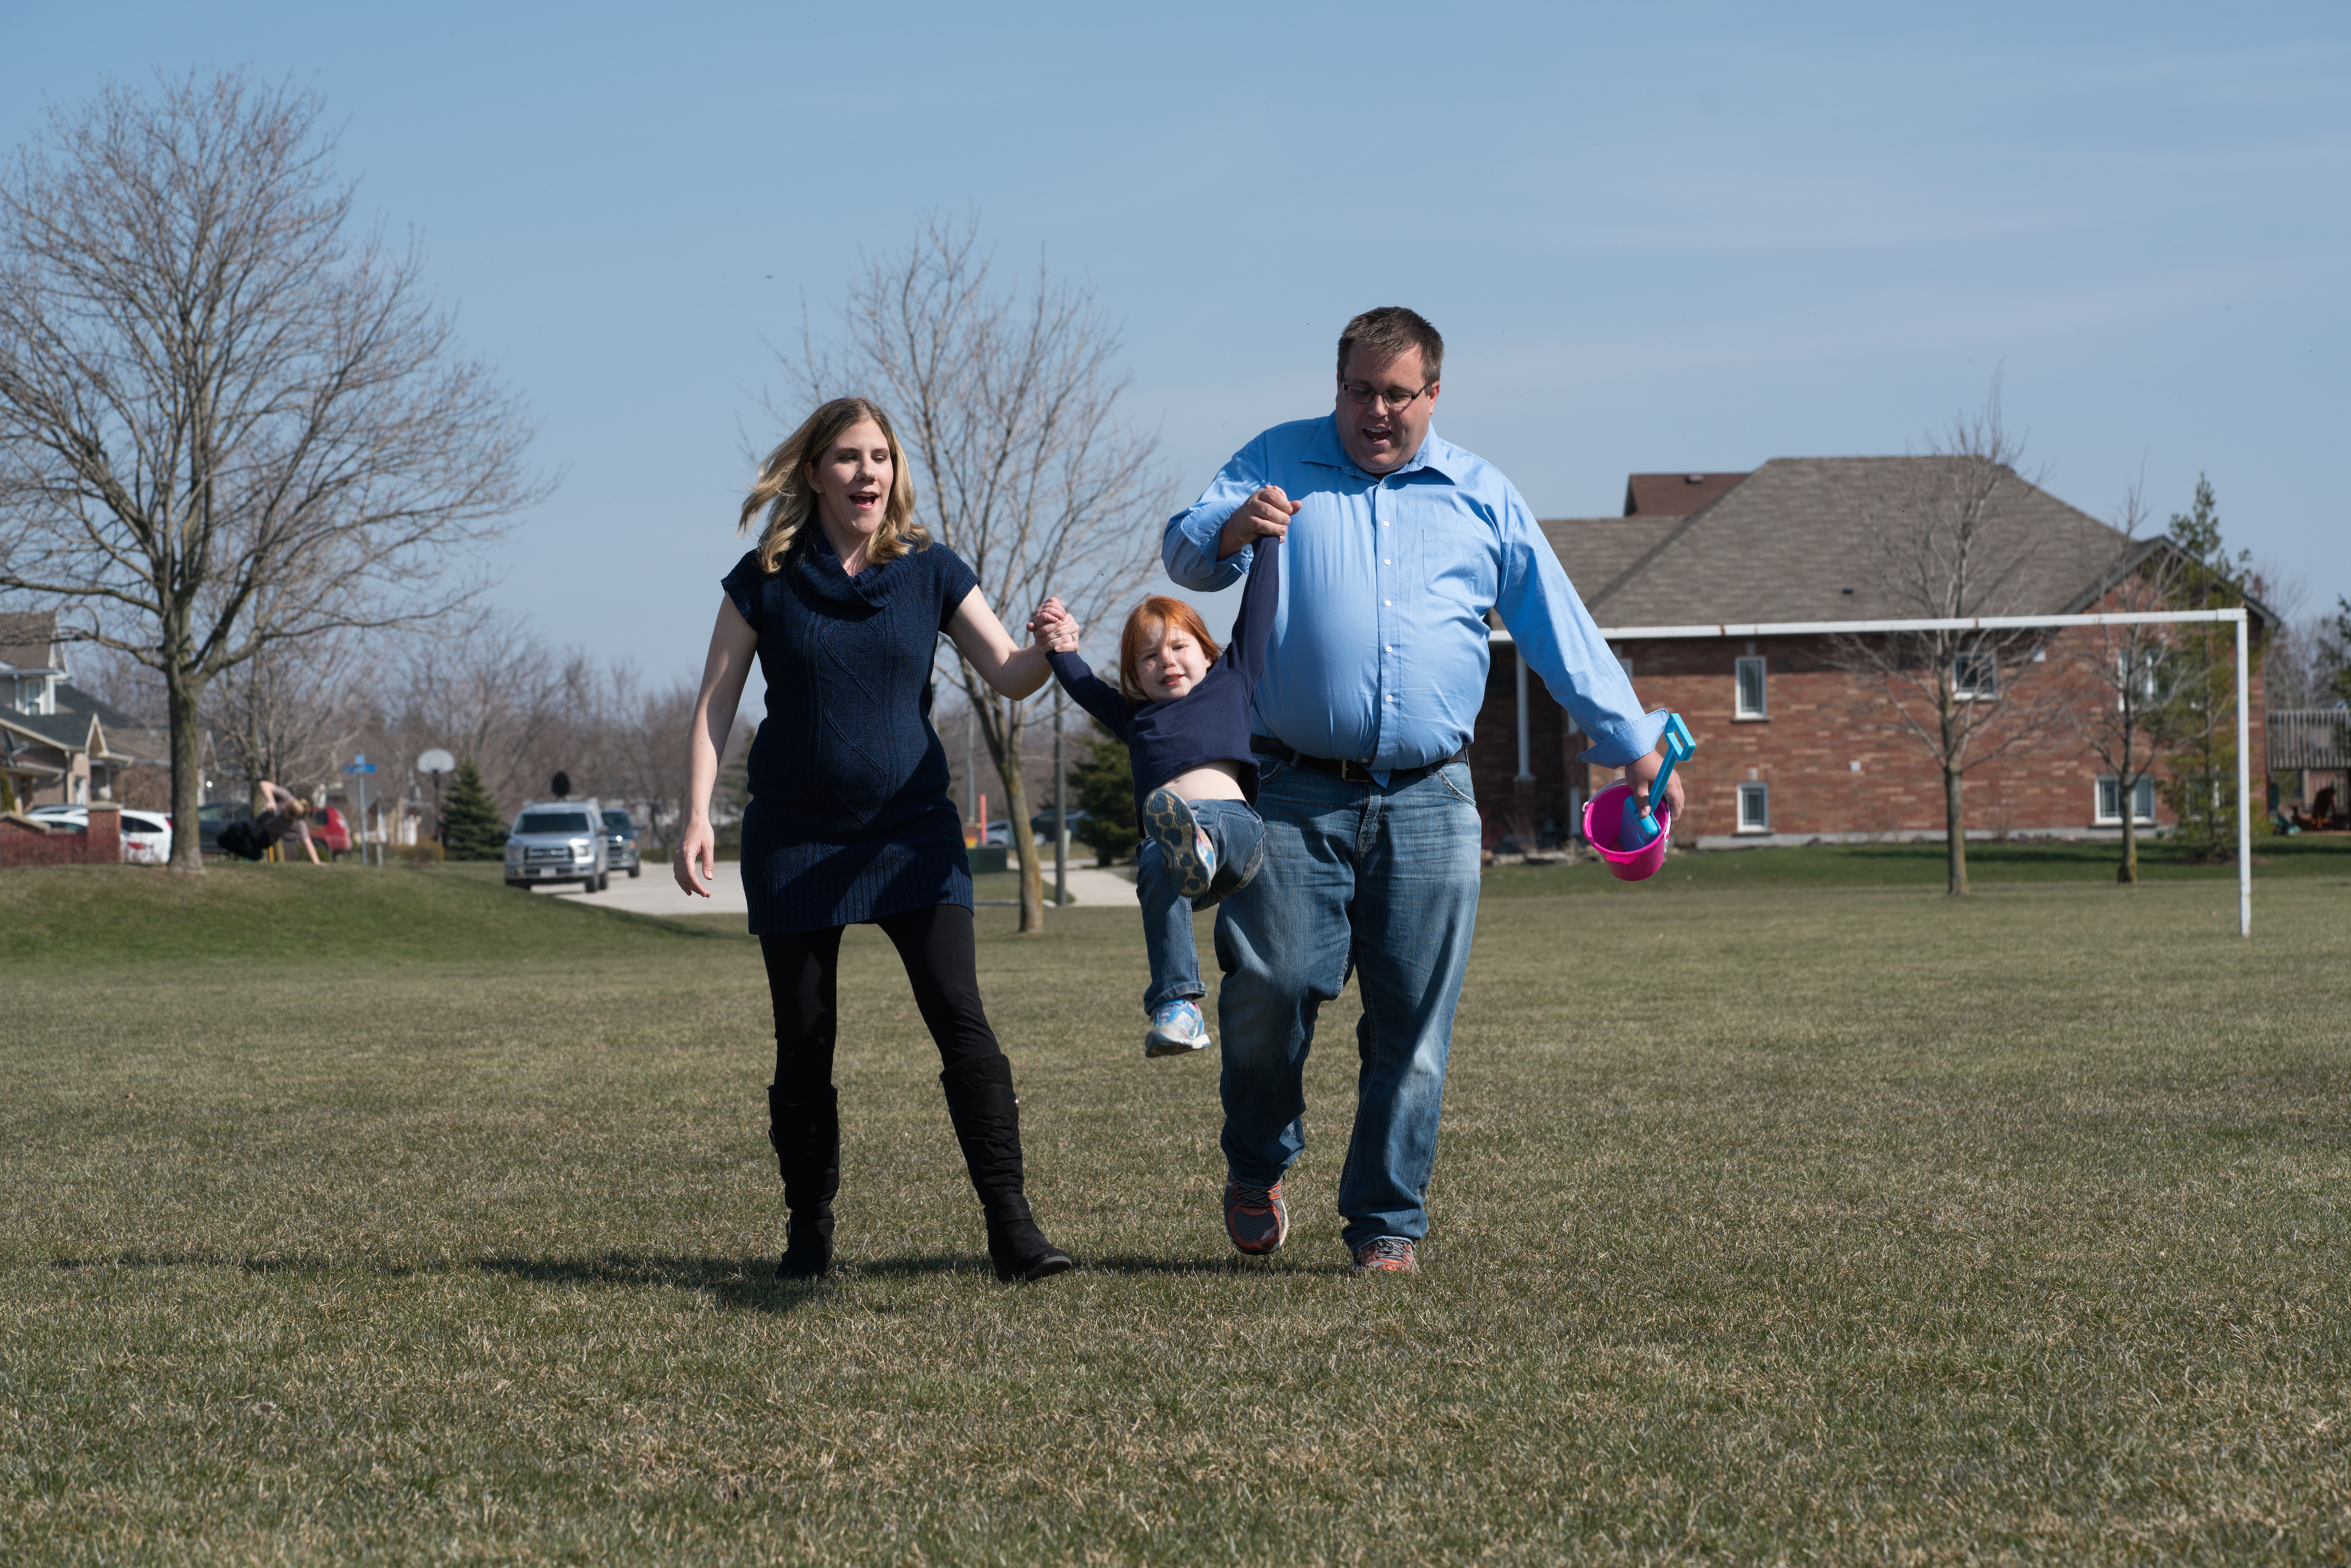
(850, 818)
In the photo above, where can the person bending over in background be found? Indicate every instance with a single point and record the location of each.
(284, 815)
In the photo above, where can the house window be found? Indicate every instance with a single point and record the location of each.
(1975, 677)
(2110, 802)
(1751, 690)
(2145, 685)
(1755, 808)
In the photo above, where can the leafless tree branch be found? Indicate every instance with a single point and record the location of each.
(228, 425)
(1950, 542)
(1009, 399)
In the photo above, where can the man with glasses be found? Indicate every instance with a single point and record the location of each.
(1398, 543)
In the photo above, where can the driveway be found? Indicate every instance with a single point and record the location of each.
(656, 892)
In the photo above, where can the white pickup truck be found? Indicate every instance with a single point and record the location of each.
(559, 840)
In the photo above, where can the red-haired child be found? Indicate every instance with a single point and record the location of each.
(1182, 709)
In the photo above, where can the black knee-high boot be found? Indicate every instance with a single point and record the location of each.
(987, 1124)
(804, 1126)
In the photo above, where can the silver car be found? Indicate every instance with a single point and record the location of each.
(621, 841)
(559, 840)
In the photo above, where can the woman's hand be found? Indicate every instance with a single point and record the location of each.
(982, 639)
(1053, 629)
(695, 864)
(733, 646)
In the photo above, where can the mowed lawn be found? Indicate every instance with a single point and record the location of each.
(388, 1215)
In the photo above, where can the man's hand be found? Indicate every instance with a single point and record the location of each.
(1264, 516)
(1642, 772)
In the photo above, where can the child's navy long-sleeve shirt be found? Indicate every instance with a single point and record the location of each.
(1210, 723)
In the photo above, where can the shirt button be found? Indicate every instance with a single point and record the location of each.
(1389, 601)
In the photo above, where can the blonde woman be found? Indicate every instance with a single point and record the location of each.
(842, 601)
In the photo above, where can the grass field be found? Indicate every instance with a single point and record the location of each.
(352, 1216)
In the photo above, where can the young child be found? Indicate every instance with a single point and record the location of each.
(1184, 712)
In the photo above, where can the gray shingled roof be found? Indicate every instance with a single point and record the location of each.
(70, 727)
(1786, 542)
(26, 637)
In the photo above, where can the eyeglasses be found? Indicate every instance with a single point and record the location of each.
(1365, 394)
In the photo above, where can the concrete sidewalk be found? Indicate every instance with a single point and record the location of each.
(657, 893)
(1092, 885)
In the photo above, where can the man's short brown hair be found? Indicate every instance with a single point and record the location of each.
(1389, 331)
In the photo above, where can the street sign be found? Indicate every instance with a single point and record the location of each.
(359, 764)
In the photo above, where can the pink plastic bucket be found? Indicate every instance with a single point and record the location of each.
(1604, 818)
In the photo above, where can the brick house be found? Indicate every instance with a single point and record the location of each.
(1790, 747)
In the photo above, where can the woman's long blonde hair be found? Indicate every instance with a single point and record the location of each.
(783, 492)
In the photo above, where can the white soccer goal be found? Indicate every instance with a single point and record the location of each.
(2020, 624)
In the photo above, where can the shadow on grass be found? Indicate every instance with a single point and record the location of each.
(747, 1283)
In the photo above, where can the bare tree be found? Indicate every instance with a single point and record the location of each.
(2126, 715)
(642, 743)
(487, 689)
(1949, 542)
(290, 711)
(226, 422)
(1009, 399)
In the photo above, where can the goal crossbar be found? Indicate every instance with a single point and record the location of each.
(2025, 623)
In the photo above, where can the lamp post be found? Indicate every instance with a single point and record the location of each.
(1060, 810)
(438, 762)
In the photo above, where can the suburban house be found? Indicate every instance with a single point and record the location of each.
(1792, 747)
(59, 745)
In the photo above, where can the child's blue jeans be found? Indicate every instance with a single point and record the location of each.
(1237, 831)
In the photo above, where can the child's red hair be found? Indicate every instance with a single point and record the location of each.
(1145, 627)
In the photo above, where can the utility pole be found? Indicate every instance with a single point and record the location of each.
(1060, 809)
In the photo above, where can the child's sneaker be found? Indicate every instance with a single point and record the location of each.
(1191, 856)
(1176, 1028)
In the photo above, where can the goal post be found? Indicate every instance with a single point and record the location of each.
(2026, 623)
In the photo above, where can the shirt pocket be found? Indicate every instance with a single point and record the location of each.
(1458, 560)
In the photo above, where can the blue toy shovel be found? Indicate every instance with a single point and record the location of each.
(1640, 825)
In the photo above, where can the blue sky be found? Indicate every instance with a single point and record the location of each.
(1664, 236)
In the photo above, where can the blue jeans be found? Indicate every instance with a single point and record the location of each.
(1235, 829)
(1381, 881)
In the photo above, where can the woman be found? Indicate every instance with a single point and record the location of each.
(842, 603)
(284, 815)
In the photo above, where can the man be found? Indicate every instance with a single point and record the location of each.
(1398, 543)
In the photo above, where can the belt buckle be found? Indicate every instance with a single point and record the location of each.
(1352, 772)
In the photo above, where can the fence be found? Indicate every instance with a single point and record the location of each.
(2306, 737)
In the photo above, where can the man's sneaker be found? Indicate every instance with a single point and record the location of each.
(1176, 1029)
(1385, 1255)
(1190, 854)
(1256, 1218)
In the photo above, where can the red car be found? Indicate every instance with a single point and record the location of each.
(330, 832)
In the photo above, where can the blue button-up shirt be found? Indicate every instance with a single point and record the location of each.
(1379, 653)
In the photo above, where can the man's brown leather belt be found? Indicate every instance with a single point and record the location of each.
(1342, 767)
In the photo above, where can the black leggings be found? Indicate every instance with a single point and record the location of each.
(941, 958)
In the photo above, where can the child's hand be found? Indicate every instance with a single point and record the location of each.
(1053, 629)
